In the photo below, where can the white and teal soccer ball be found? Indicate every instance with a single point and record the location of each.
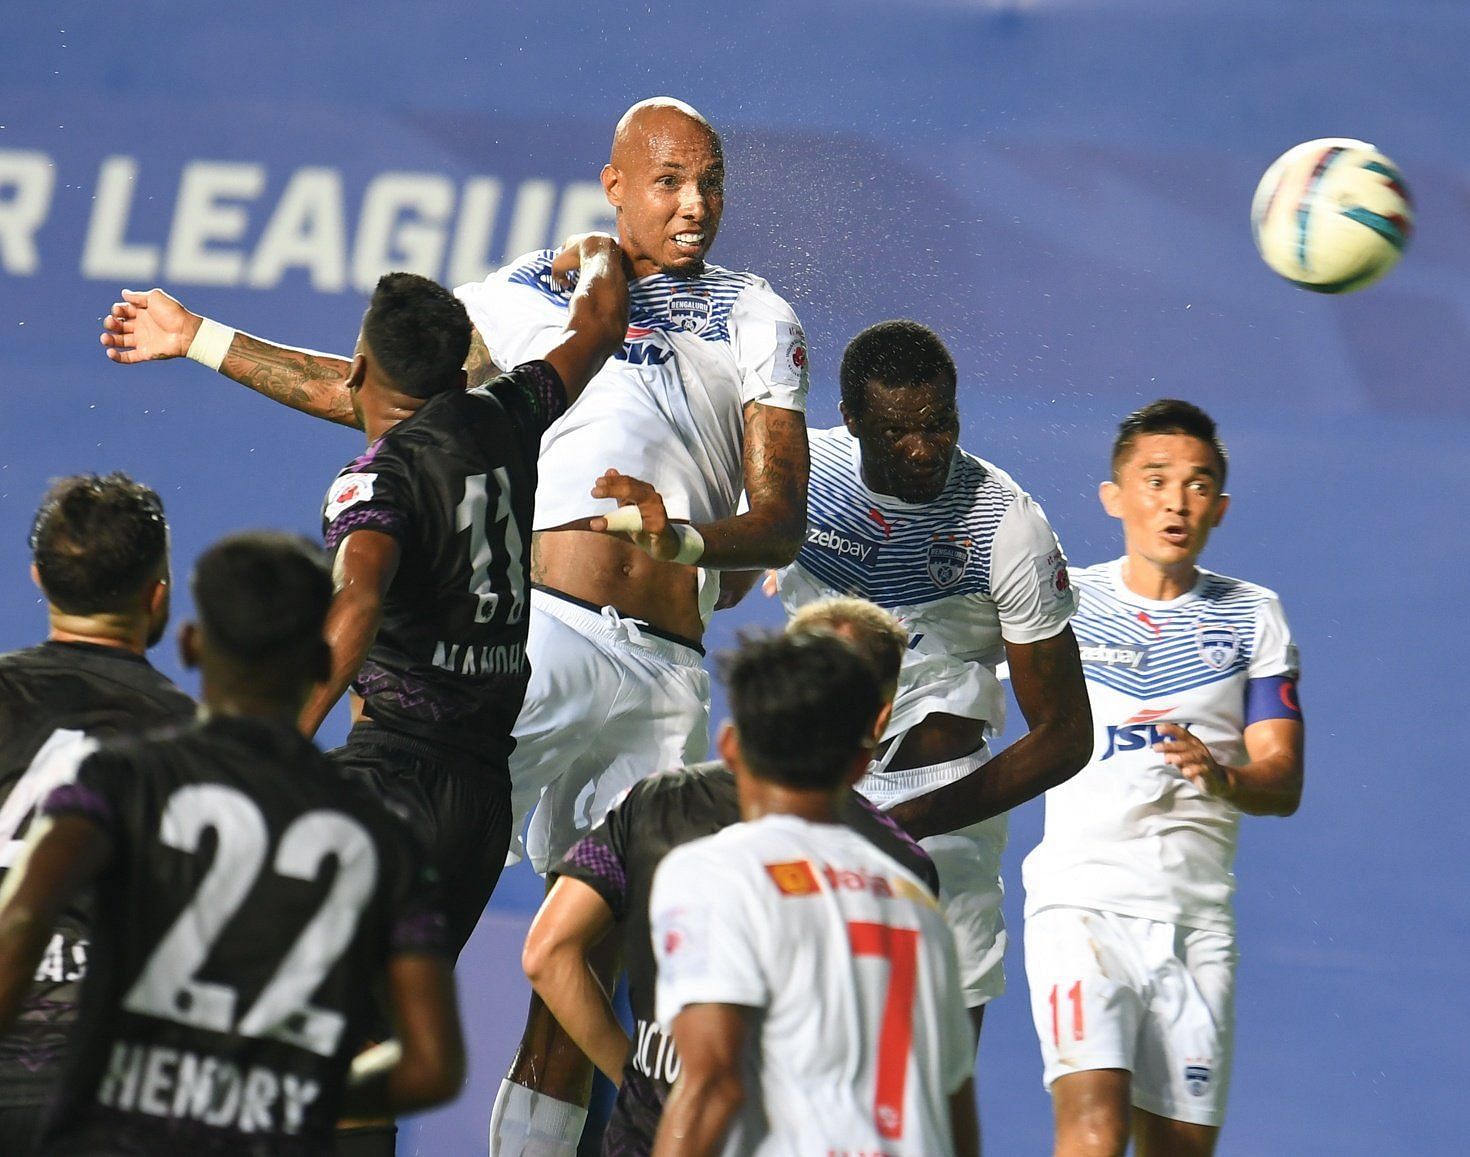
(1332, 215)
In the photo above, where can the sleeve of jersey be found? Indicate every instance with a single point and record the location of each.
(508, 308)
(597, 861)
(83, 778)
(1271, 691)
(371, 494)
(770, 349)
(1028, 575)
(703, 937)
(534, 396)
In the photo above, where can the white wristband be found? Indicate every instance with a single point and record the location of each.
(625, 519)
(691, 543)
(211, 344)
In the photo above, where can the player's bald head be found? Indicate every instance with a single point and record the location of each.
(654, 118)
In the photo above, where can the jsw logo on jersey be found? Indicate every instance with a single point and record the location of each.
(1139, 733)
(639, 350)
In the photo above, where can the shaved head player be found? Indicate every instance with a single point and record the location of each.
(704, 400)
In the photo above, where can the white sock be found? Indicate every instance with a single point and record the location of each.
(525, 1123)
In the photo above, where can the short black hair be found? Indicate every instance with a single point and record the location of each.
(262, 598)
(895, 353)
(97, 541)
(1168, 416)
(419, 333)
(804, 706)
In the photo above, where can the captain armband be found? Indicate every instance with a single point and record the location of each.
(1273, 697)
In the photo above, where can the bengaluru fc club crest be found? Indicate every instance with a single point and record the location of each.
(690, 312)
(1197, 1077)
(1217, 645)
(948, 558)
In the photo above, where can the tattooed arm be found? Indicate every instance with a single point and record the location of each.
(769, 534)
(153, 326)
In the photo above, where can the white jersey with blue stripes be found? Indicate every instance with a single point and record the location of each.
(975, 568)
(1130, 833)
(669, 408)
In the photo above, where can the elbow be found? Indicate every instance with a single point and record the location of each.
(536, 959)
(442, 1078)
(785, 540)
(1075, 744)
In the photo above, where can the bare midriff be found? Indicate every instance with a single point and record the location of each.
(938, 738)
(607, 571)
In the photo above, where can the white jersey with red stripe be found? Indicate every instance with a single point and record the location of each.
(1130, 833)
(864, 1034)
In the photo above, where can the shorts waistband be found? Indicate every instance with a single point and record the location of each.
(912, 781)
(611, 624)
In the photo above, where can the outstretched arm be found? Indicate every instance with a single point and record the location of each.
(153, 326)
(59, 859)
(1047, 679)
(571, 922)
(365, 565)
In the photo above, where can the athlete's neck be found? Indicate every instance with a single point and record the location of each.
(760, 798)
(1161, 583)
(121, 631)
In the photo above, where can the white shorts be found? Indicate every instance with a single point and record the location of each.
(1110, 991)
(609, 703)
(968, 862)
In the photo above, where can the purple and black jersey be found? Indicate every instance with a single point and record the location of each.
(52, 698)
(617, 859)
(455, 485)
(253, 898)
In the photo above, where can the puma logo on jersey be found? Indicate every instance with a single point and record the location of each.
(835, 542)
(883, 524)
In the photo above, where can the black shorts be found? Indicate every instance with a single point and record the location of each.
(458, 805)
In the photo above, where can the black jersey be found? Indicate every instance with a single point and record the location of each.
(455, 485)
(618, 858)
(254, 896)
(53, 697)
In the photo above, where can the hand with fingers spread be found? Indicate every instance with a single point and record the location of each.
(1194, 761)
(640, 517)
(145, 327)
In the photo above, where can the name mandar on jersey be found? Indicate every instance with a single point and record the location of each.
(255, 895)
(618, 860)
(56, 700)
(975, 568)
(669, 407)
(1130, 833)
(825, 934)
(454, 485)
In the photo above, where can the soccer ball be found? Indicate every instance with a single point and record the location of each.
(1332, 215)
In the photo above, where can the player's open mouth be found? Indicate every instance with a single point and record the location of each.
(1176, 535)
(689, 242)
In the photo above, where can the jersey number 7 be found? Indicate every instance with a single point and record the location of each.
(900, 947)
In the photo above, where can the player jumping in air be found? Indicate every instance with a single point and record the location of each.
(809, 980)
(100, 556)
(703, 401)
(1130, 932)
(251, 897)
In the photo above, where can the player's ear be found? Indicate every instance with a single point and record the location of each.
(727, 743)
(1108, 494)
(464, 379)
(1220, 509)
(36, 578)
(848, 420)
(358, 373)
(189, 646)
(880, 724)
(612, 185)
